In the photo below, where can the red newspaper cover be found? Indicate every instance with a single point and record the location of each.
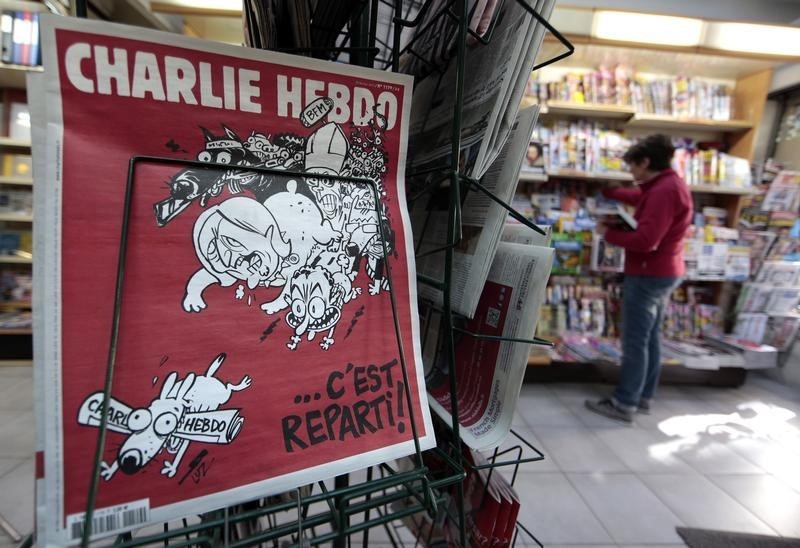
(257, 347)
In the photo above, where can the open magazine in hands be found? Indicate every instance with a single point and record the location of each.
(616, 217)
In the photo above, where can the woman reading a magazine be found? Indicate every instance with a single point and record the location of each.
(653, 268)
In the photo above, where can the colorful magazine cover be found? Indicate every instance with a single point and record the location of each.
(258, 348)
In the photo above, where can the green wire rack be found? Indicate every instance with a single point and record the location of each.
(355, 507)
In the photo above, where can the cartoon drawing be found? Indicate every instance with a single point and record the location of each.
(196, 183)
(309, 236)
(238, 239)
(301, 223)
(316, 296)
(185, 411)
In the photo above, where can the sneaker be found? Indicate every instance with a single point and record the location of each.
(644, 407)
(607, 408)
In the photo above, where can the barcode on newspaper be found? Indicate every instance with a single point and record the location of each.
(111, 519)
(492, 317)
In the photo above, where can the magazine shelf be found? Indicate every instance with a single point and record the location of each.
(660, 122)
(13, 76)
(563, 109)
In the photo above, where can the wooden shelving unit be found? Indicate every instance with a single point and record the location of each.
(13, 76)
(16, 331)
(16, 218)
(588, 175)
(657, 122)
(21, 145)
(16, 180)
(716, 189)
(561, 109)
(11, 259)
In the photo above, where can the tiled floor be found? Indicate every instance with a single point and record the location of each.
(714, 458)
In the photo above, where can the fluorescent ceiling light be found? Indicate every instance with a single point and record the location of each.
(647, 29)
(745, 37)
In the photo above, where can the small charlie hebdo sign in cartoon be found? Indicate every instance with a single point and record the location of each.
(257, 346)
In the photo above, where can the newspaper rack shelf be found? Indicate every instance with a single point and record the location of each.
(355, 506)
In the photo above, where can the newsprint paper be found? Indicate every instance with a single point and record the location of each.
(257, 348)
(489, 371)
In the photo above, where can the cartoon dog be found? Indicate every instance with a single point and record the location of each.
(238, 239)
(168, 422)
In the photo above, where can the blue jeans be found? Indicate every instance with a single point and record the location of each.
(643, 300)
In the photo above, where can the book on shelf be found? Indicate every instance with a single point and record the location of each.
(20, 37)
(568, 257)
(232, 275)
(606, 257)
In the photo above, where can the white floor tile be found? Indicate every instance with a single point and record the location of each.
(642, 452)
(17, 437)
(7, 464)
(16, 392)
(628, 510)
(16, 497)
(578, 450)
(769, 499)
(711, 457)
(553, 510)
(545, 410)
(700, 503)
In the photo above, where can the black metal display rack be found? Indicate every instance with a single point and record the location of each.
(350, 510)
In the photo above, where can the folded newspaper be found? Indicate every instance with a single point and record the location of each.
(496, 76)
(257, 347)
(489, 371)
(482, 222)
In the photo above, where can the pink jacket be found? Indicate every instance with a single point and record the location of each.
(664, 212)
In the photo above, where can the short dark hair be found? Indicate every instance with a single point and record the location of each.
(658, 148)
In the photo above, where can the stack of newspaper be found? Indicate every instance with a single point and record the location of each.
(497, 287)
(496, 74)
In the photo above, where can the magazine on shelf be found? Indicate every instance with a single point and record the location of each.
(781, 331)
(482, 222)
(489, 371)
(783, 193)
(496, 74)
(754, 297)
(238, 284)
(779, 273)
(606, 257)
(759, 243)
(784, 300)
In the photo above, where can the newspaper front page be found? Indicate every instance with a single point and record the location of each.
(489, 372)
(482, 222)
(257, 349)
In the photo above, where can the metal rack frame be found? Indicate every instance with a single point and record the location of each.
(347, 509)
